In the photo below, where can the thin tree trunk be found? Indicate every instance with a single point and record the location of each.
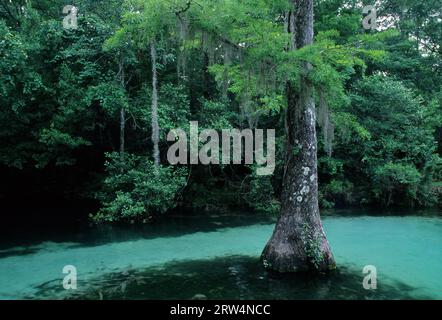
(122, 129)
(122, 111)
(205, 78)
(155, 126)
(298, 242)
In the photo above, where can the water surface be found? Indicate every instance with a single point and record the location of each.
(218, 257)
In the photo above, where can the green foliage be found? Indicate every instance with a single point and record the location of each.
(260, 195)
(174, 109)
(393, 179)
(134, 190)
(391, 148)
(312, 245)
(216, 115)
(62, 93)
(110, 96)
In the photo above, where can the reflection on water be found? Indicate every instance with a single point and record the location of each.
(217, 258)
(227, 278)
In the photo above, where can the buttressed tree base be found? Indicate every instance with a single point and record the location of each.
(298, 242)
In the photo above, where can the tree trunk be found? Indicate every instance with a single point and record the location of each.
(298, 242)
(204, 77)
(155, 126)
(122, 111)
(122, 129)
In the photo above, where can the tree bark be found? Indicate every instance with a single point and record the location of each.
(122, 111)
(298, 242)
(122, 130)
(155, 125)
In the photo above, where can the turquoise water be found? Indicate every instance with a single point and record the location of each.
(217, 257)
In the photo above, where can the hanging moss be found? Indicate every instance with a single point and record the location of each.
(208, 46)
(183, 36)
(327, 126)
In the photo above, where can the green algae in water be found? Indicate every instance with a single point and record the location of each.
(218, 257)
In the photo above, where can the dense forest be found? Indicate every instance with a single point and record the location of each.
(88, 99)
